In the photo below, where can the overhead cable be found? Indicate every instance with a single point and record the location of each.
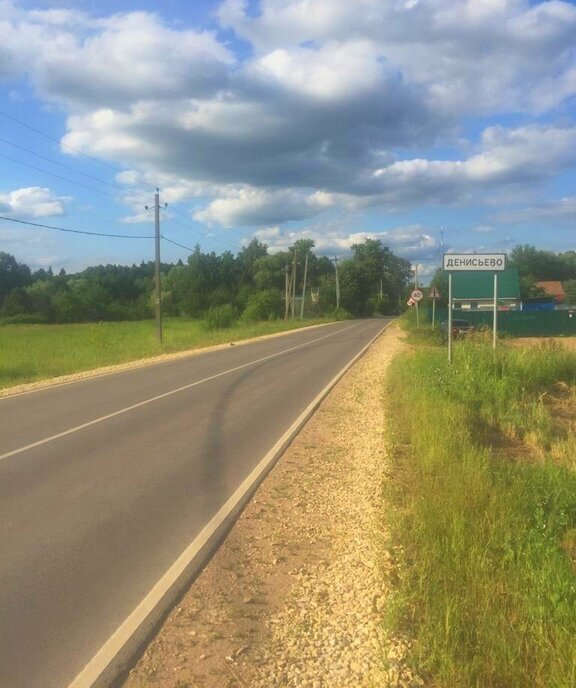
(76, 231)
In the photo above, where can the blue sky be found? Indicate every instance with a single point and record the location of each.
(413, 121)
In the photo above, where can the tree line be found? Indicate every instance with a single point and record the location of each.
(251, 285)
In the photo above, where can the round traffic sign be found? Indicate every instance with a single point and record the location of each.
(417, 295)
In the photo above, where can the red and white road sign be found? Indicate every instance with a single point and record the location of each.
(417, 295)
(434, 293)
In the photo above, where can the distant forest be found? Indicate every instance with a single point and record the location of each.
(250, 285)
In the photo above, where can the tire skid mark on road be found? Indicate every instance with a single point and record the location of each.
(151, 400)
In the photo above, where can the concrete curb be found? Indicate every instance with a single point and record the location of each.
(111, 663)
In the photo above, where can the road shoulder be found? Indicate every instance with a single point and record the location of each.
(295, 595)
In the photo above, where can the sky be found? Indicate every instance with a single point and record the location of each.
(433, 125)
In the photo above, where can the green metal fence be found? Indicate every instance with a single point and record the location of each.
(560, 323)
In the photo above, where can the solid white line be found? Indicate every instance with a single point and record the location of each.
(70, 431)
(109, 653)
(136, 365)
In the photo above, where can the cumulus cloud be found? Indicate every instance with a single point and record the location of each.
(250, 206)
(510, 157)
(466, 54)
(338, 106)
(32, 202)
(113, 62)
(413, 242)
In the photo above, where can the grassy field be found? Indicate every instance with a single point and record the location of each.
(484, 519)
(35, 352)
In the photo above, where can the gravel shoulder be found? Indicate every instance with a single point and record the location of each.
(295, 595)
(26, 387)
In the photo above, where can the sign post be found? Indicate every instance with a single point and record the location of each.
(472, 262)
(449, 317)
(416, 296)
(434, 295)
(495, 323)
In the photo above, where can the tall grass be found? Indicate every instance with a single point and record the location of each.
(486, 583)
(35, 352)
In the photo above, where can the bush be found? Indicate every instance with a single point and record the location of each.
(220, 317)
(25, 319)
(339, 314)
(264, 305)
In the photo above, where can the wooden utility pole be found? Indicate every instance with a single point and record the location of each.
(335, 261)
(304, 287)
(157, 285)
(293, 305)
(157, 266)
(286, 292)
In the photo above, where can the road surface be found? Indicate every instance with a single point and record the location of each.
(106, 480)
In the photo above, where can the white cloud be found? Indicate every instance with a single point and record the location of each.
(250, 206)
(334, 71)
(338, 108)
(86, 63)
(412, 242)
(32, 202)
(524, 156)
(467, 54)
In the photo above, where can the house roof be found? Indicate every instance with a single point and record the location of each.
(480, 285)
(552, 287)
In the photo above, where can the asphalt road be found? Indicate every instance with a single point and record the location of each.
(105, 481)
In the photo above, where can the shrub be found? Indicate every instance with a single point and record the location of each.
(220, 317)
(25, 319)
(340, 314)
(264, 305)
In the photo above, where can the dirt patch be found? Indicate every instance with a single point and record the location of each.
(295, 595)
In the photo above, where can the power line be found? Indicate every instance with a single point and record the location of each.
(240, 234)
(218, 239)
(70, 148)
(115, 168)
(61, 164)
(55, 140)
(57, 176)
(170, 241)
(76, 231)
(174, 206)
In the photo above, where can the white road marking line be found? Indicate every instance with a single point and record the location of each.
(70, 431)
(96, 673)
(136, 365)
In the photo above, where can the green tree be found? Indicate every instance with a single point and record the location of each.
(12, 275)
(534, 265)
(373, 279)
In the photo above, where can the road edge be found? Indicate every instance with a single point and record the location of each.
(115, 657)
(137, 363)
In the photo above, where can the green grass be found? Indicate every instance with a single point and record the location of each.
(484, 582)
(35, 352)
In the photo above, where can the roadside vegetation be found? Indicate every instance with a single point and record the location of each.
(38, 352)
(57, 324)
(483, 487)
(250, 285)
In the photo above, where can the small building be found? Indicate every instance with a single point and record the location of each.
(474, 290)
(553, 288)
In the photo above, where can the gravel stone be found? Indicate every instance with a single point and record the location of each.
(307, 610)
